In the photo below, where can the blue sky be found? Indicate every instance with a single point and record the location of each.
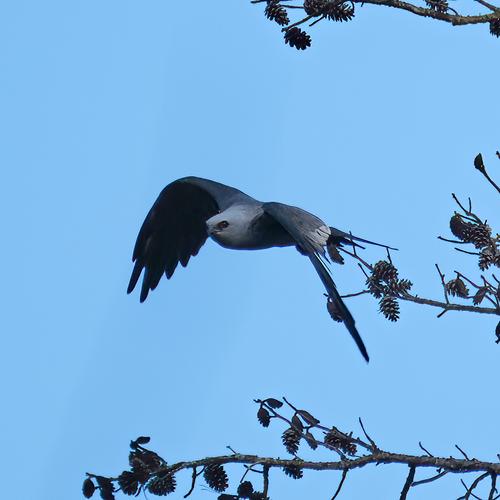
(102, 104)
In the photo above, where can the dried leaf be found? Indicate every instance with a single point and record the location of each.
(308, 418)
(297, 423)
(273, 403)
(311, 440)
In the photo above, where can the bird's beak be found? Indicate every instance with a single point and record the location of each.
(211, 230)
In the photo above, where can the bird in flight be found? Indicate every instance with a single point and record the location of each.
(191, 209)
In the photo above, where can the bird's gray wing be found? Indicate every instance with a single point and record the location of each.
(175, 229)
(303, 228)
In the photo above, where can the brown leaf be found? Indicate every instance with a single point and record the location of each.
(297, 423)
(273, 403)
(308, 418)
(311, 440)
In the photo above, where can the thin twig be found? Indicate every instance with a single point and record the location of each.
(421, 446)
(493, 486)
(441, 275)
(193, 482)
(430, 479)
(488, 5)
(344, 475)
(265, 487)
(473, 486)
(462, 452)
(372, 442)
(408, 483)
(353, 294)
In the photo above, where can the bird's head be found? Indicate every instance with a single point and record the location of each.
(228, 227)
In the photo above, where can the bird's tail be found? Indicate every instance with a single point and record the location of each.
(338, 236)
(334, 298)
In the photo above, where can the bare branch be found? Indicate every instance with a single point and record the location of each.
(150, 472)
(344, 475)
(430, 479)
(408, 483)
(344, 10)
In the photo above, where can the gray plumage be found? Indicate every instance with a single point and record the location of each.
(190, 209)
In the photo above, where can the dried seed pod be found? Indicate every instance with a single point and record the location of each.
(106, 488)
(293, 471)
(389, 307)
(401, 286)
(480, 295)
(245, 489)
(144, 463)
(216, 477)
(162, 485)
(339, 12)
(384, 271)
(480, 235)
(495, 27)
(297, 38)
(276, 12)
(129, 482)
(460, 228)
(291, 440)
(263, 417)
(438, 5)
(88, 488)
(457, 288)
(335, 440)
(314, 8)
(479, 163)
(258, 495)
(486, 258)
(375, 287)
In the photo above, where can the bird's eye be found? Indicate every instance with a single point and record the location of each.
(223, 224)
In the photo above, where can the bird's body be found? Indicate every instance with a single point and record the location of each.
(250, 228)
(191, 209)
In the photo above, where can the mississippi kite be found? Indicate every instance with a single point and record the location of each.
(191, 209)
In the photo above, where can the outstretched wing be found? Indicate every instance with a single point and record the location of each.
(175, 229)
(307, 230)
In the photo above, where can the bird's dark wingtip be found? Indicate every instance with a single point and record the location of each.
(136, 273)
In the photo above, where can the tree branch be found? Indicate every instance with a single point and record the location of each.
(151, 472)
(454, 19)
(344, 10)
